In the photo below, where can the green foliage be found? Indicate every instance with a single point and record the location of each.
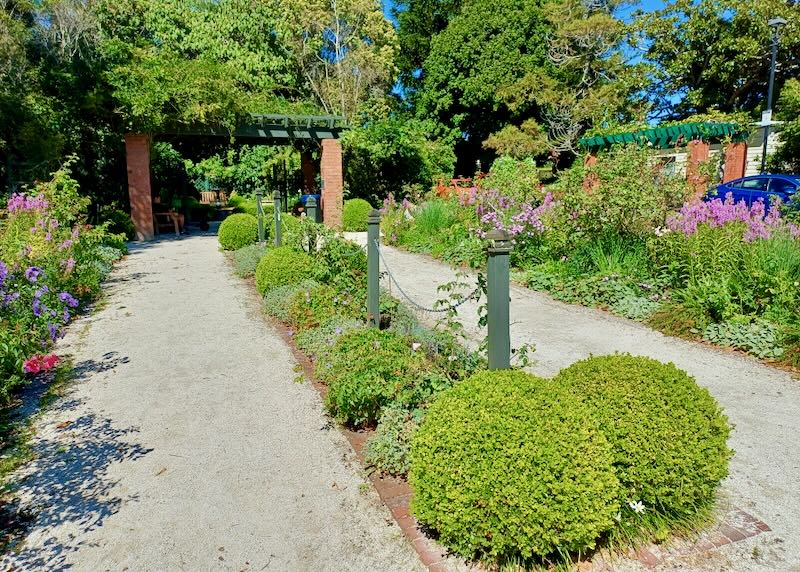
(712, 51)
(237, 231)
(354, 215)
(282, 266)
(788, 156)
(758, 337)
(390, 155)
(669, 439)
(507, 466)
(388, 450)
(246, 260)
(366, 370)
(278, 300)
(312, 307)
(517, 179)
(630, 196)
(317, 341)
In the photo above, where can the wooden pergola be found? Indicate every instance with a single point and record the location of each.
(260, 129)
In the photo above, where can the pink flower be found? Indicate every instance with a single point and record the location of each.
(38, 363)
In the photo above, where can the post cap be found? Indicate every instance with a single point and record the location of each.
(276, 195)
(374, 216)
(499, 241)
(311, 202)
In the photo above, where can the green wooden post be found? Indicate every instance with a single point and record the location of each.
(373, 269)
(498, 295)
(276, 201)
(260, 211)
(311, 209)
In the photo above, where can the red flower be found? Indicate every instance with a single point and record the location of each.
(38, 363)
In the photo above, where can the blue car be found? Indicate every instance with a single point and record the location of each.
(750, 189)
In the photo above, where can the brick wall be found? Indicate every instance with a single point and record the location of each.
(137, 148)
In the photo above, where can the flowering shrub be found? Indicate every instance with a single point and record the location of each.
(50, 262)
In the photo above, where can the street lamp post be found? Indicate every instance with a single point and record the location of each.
(775, 24)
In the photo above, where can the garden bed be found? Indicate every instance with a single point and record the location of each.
(403, 393)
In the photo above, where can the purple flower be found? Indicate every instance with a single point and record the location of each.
(68, 264)
(65, 245)
(3, 272)
(37, 308)
(68, 299)
(41, 292)
(19, 202)
(53, 330)
(33, 273)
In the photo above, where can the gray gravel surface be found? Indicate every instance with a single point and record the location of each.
(186, 444)
(762, 402)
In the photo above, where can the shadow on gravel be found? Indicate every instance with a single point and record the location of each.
(68, 484)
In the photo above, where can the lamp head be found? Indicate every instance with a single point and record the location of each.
(777, 22)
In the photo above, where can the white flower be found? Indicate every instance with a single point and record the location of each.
(618, 517)
(415, 346)
(636, 506)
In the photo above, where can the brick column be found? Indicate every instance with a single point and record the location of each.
(590, 182)
(735, 161)
(332, 182)
(137, 148)
(697, 154)
(309, 170)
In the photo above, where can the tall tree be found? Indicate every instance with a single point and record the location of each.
(418, 21)
(344, 49)
(715, 54)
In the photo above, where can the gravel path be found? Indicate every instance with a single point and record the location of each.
(762, 402)
(185, 443)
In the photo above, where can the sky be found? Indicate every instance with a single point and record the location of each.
(646, 5)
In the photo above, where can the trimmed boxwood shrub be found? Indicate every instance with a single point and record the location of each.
(669, 438)
(354, 215)
(365, 371)
(508, 466)
(282, 266)
(238, 231)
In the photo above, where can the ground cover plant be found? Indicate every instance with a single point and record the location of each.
(608, 237)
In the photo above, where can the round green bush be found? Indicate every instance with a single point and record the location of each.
(354, 215)
(238, 231)
(669, 437)
(508, 466)
(282, 266)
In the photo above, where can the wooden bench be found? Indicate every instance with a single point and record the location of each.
(166, 221)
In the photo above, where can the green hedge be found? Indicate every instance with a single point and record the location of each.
(354, 215)
(509, 467)
(238, 231)
(282, 266)
(668, 435)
